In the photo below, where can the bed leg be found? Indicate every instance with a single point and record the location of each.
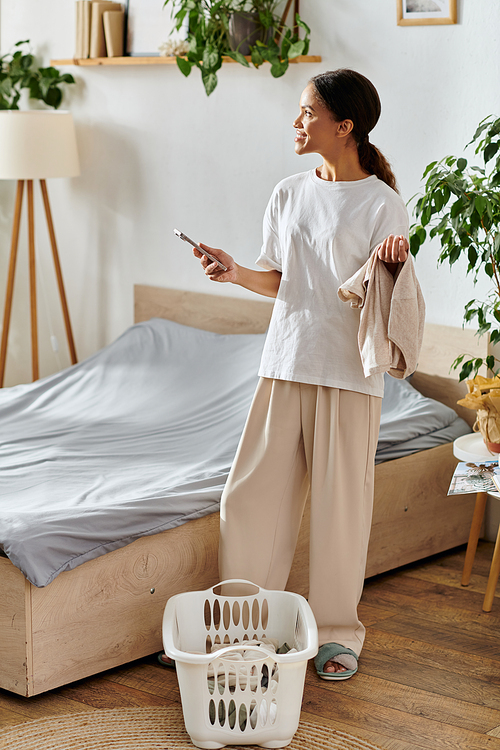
(475, 530)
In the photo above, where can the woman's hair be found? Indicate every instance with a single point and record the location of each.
(350, 96)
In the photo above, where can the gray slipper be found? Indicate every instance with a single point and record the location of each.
(341, 655)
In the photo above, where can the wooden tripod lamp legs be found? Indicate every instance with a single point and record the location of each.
(32, 269)
(10, 278)
(32, 277)
(57, 265)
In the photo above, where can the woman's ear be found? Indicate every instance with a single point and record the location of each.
(344, 128)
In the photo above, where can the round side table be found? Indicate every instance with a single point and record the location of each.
(472, 448)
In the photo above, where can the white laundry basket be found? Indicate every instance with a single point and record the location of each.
(227, 701)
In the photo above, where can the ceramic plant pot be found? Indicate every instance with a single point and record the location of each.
(245, 30)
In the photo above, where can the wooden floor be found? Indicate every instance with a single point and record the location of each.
(429, 674)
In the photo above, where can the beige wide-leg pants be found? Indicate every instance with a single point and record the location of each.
(299, 436)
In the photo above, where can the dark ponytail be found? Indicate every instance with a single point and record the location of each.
(350, 96)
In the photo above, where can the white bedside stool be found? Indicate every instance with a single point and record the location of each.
(472, 448)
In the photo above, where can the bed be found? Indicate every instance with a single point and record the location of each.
(98, 602)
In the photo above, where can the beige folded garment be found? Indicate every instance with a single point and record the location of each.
(391, 325)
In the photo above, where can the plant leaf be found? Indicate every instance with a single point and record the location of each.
(428, 168)
(414, 244)
(279, 68)
(480, 204)
(257, 58)
(26, 61)
(209, 82)
(6, 87)
(49, 72)
(238, 57)
(184, 65)
(211, 59)
(438, 200)
(296, 49)
(35, 91)
(302, 24)
(456, 208)
(53, 97)
(482, 127)
(490, 151)
(490, 362)
(466, 370)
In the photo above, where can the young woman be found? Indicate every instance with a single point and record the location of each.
(315, 418)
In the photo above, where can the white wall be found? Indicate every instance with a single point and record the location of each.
(157, 153)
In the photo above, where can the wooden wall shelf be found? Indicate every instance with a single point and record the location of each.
(160, 60)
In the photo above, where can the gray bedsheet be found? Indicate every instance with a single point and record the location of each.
(137, 439)
(410, 422)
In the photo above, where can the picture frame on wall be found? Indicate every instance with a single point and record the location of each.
(426, 12)
(148, 25)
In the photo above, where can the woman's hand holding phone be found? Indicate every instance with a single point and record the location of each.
(212, 270)
(220, 266)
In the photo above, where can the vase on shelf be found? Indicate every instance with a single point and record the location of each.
(245, 29)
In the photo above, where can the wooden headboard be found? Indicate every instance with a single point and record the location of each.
(210, 312)
(221, 314)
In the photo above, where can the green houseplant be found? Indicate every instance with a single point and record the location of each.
(208, 24)
(19, 70)
(461, 205)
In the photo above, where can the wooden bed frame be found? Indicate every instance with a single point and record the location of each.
(108, 611)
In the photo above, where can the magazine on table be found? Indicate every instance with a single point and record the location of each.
(475, 477)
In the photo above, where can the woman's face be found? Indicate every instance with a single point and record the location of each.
(316, 130)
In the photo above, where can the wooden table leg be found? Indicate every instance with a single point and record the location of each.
(475, 530)
(493, 577)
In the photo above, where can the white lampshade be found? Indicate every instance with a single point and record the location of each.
(37, 144)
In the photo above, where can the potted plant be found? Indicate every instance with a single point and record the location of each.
(235, 28)
(461, 205)
(19, 70)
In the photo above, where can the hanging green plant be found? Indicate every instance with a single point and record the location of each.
(211, 38)
(19, 70)
(461, 206)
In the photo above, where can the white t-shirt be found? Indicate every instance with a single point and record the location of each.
(318, 234)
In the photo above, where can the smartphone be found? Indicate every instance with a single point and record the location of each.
(182, 236)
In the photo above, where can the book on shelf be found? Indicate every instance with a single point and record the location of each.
(82, 42)
(113, 22)
(97, 38)
(78, 27)
(86, 27)
(475, 477)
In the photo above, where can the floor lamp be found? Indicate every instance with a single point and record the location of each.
(35, 145)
